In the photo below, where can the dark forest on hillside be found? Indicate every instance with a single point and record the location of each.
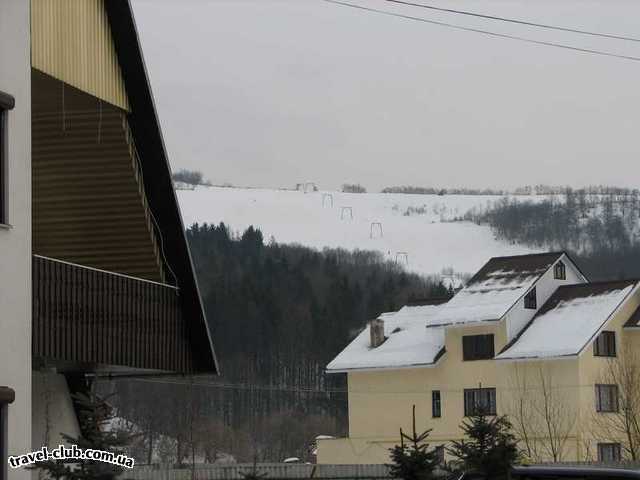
(600, 231)
(278, 314)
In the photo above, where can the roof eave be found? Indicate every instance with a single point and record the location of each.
(158, 185)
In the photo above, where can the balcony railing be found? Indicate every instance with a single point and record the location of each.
(86, 319)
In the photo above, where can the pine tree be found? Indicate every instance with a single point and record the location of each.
(413, 461)
(491, 448)
(94, 417)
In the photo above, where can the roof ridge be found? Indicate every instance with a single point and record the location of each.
(598, 283)
(539, 254)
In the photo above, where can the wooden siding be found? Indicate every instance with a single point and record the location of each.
(89, 202)
(85, 317)
(71, 41)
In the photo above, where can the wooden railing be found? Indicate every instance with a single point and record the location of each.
(88, 319)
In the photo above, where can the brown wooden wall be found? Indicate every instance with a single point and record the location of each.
(89, 202)
(84, 317)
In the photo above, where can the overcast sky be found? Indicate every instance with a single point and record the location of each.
(275, 92)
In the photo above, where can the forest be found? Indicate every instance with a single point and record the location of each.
(599, 228)
(278, 315)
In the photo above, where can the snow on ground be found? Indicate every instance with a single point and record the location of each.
(417, 230)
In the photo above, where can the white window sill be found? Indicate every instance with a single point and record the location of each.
(5, 226)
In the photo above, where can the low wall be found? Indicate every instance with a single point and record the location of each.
(273, 471)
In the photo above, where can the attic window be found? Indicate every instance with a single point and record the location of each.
(605, 345)
(559, 271)
(477, 347)
(530, 300)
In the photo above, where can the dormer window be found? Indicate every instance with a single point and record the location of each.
(530, 300)
(559, 271)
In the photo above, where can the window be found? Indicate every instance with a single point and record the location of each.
(6, 104)
(436, 406)
(530, 300)
(439, 451)
(477, 347)
(560, 271)
(606, 398)
(605, 345)
(7, 395)
(478, 400)
(609, 452)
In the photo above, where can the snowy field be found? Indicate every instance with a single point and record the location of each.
(416, 230)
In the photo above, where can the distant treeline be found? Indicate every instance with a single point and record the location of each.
(601, 230)
(190, 177)
(278, 315)
(353, 188)
(525, 190)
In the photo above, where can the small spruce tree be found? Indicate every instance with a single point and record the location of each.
(94, 417)
(490, 450)
(413, 461)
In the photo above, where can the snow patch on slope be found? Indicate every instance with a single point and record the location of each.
(421, 226)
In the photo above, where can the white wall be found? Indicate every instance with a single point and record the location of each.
(53, 412)
(518, 317)
(15, 242)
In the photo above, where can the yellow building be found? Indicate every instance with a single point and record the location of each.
(529, 336)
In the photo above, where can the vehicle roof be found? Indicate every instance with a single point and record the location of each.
(582, 471)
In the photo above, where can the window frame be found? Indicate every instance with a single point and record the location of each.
(440, 453)
(531, 299)
(475, 392)
(560, 271)
(605, 344)
(601, 404)
(7, 102)
(7, 396)
(473, 349)
(436, 404)
(617, 449)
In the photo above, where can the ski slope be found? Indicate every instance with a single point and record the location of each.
(422, 226)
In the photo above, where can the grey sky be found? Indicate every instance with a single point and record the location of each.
(273, 92)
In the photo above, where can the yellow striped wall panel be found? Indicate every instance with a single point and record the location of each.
(71, 41)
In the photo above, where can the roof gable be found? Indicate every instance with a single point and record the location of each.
(574, 313)
(495, 288)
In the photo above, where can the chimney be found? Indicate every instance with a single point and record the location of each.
(376, 330)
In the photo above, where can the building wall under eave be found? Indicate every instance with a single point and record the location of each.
(53, 412)
(71, 41)
(15, 241)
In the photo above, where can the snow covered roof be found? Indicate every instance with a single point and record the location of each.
(408, 342)
(494, 289)
(568, 320)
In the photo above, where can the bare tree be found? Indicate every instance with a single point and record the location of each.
(542, 413)
(525, 422)
(622, 425)
(557, 413)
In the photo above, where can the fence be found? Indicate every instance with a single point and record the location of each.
(271, 471)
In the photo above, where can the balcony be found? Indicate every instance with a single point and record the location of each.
(91, 320)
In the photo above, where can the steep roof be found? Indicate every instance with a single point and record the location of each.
(569, 320)
(495, 288)
(158, 185)
(408, 343)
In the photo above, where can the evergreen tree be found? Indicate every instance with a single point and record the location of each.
(490, 449)
(95, 416)
(413, 461)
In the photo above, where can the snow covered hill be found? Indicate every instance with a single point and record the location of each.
(416, 230)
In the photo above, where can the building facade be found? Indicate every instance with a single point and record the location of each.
(96, 276)
(529, 337)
